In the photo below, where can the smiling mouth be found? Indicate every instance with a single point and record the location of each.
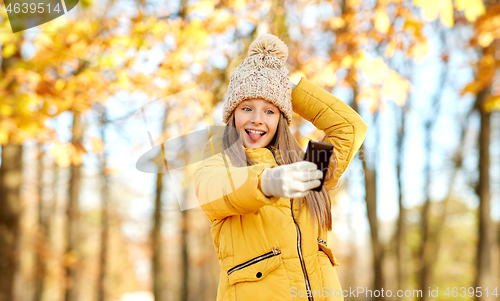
(254, 136)
(262, 134)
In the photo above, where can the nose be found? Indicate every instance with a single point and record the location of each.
(256, 118)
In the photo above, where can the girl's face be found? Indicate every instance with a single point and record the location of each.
(258, 115)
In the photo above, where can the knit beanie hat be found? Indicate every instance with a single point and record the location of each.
(262, 74)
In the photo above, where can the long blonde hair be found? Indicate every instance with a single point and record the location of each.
(290, 151)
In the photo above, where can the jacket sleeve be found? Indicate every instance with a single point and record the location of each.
(224, 190)
(343, 127)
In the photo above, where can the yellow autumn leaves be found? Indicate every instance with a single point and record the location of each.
(66, 153)
(381, 82)
(488, 27)
(386, 83)
(382, 21)
(432, 9)
(471, 8)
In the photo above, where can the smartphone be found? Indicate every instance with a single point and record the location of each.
(319, 153)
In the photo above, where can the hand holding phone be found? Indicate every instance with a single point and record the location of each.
(319, 153)
(292, 180)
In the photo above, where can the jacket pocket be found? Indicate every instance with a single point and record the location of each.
(328, 252)
(256, 268)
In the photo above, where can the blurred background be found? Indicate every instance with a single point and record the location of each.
(418, 208)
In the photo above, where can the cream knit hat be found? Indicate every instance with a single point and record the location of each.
(262, 74)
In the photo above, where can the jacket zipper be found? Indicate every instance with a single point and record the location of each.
(274, 252)
(299, 248)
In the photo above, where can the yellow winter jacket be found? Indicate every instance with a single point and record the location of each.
(265, 250)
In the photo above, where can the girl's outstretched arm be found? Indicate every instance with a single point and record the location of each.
(343, 127)
(224, 190)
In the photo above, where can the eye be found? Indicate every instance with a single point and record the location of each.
(272, 112)
(246, 108)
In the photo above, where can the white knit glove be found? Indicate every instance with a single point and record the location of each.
(291, 180)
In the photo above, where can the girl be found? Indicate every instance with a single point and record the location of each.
(269, 229)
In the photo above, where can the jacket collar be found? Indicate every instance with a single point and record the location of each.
(260, 155)
(263, 154)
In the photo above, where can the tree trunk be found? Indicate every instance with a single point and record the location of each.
(10, 211)
(428, 244)
(157, 245)
(352, 260)
(371, 210)
(42, 243)
(10, 201)
(485, 242)
(72, 256)
(402, 260)
(157, 270)
(53, 205)
(51, 220)
(101, 277)
(485, 229)
(425, 252)
(184, 256)
(204, 282)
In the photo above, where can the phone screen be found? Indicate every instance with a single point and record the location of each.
(319, 153)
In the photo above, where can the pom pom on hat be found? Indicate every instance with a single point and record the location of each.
(263, 74)
(267, 43)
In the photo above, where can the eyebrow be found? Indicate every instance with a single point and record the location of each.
(268, 104)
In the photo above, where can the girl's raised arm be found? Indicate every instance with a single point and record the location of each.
(343, 127)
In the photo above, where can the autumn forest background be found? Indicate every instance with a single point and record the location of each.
(419, 206)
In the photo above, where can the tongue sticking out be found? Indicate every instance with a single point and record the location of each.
(254, 136)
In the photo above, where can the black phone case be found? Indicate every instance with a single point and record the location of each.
(319, 153)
